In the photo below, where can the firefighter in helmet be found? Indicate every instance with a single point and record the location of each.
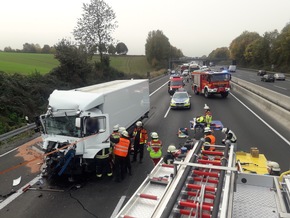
(155, 148)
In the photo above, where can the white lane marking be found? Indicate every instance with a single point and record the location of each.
(18, 193)
(2, 155)
(274, 130)
(167, 112)
(280, 87)
(158, 89)
(118, 207)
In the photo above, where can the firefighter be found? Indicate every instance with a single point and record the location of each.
(128, 162)
(209, 139)
(121, 151)
(103, 162)
(273, 168)
(155, 148)
(207, 115)
(230, 135)
(140, 137)
(170, 155)
(115, 136)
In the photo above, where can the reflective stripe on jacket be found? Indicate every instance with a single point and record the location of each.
(154, 148)
(212, 141)
(104, 153)
(121, 148)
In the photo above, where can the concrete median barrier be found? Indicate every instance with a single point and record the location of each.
(273, 103)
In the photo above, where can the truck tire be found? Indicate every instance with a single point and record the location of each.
(195, 90)
(206, 94)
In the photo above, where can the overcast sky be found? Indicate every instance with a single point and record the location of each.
(196, 27)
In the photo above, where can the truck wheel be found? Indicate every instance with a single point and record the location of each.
(206, 94)
(195, 90)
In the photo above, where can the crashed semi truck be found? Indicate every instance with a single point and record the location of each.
(78, 122)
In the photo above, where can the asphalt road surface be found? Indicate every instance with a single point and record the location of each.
(91, 197)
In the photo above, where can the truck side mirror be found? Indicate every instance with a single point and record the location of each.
(78, 122)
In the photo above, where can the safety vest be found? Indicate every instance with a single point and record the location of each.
(121, 148)
(212, 141)
(208, 117)
(154, 148)
(143, 135)
(116, 135)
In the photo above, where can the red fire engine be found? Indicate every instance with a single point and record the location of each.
(210, 83)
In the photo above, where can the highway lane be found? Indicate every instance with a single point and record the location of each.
(282, 87)
(99, 198)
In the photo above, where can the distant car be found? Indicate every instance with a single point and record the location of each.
(185, 73)
(268, 78)
(180, 99)
(232, 68)
(279, 76)
(261, 73)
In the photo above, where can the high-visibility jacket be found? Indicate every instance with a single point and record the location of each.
(208, 118)
(212, 141)
(104, 153)
(122, 147)
(231, 136)
(143, 135)
(154, 148)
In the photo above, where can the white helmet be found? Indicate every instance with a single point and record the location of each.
(125, 133)
(139, 123)
(207, 129)
(206, 107)
(121, 129)
(154, 135)
(273, 165)
(171, 148)
(116, 127)
(225, 130)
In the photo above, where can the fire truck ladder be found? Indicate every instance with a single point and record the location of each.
(146, 199)
(205, 188)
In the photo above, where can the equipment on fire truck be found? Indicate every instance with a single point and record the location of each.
(208, 184)
(210, 83)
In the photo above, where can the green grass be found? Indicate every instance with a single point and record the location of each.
(27, 63)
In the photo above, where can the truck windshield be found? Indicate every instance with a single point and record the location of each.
(220, 77)
(61, 126)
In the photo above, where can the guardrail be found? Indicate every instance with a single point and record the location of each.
(17, 131)
(272, 103)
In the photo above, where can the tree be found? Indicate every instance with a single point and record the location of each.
(74, 66)
(157, 48)
(45, 49)
(281, 48)
(121, 48)
(222, 53)
(111, 49)
(95, 27)
(238, 46)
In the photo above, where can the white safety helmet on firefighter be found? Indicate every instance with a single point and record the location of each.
(125, 133)
(171, 148)
(121, 129)
(273, 165)
(206, 107)
(207, 130)
(116, 127)
(154, 135)
(138, 123)
(225, 130)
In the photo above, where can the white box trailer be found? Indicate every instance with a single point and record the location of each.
(81, 120)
